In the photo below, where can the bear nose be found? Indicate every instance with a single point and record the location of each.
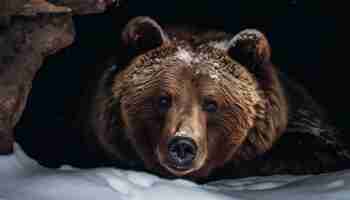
(182, 151)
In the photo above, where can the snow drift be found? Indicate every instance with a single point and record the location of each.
(21, 178)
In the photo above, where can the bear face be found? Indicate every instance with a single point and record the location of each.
(186, 105)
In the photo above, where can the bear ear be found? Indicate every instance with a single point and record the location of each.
(142, 34)
(250, 48)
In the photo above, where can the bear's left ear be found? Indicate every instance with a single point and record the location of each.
(142, 34)
(250, 48)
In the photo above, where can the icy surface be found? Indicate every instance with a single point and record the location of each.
(23, 179)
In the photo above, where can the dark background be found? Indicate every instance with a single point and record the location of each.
(302, 35)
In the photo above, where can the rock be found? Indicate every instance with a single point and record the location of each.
(23, 48)
(29, 31)
(9, 8)
(83, 7)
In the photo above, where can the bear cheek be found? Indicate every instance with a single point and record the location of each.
(224, 140)
(142, 129)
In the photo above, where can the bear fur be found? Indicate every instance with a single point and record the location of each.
(222, 90)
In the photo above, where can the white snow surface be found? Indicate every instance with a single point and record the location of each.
(21, 178)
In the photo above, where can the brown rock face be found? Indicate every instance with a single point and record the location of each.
(82, 7)
(10, 8)
(23, 47)
(27, 35)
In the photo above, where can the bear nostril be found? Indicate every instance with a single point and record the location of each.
(182, 151)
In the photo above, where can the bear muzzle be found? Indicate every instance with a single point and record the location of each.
(182, 152)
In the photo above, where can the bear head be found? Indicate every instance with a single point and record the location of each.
(185, 107)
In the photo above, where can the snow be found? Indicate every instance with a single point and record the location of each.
(23, 179)
(184, 55)
(222, 45)
(247, 34)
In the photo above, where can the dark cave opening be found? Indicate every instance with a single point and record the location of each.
(302, 36)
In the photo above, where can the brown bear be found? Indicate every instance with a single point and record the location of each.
(203, 104)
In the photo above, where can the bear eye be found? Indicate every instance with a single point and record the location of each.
(210, 106)
(164, 103)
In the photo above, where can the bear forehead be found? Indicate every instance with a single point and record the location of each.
(206, 59)
(234, 81)
(145, 70)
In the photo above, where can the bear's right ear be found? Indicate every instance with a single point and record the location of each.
(142, 34)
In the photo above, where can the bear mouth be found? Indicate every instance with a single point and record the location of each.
(175, 169)
(181, 168)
